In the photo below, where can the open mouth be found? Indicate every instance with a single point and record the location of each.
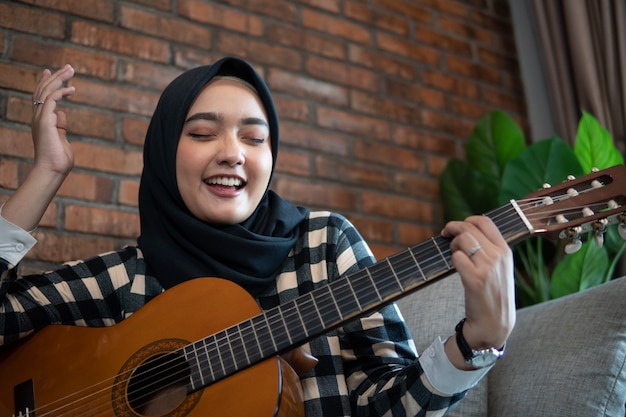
(229, 182)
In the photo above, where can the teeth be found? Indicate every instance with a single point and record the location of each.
(225, 181)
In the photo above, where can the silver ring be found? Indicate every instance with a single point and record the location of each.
(37, 102)
(473, 251)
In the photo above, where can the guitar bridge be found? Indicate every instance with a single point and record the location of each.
(24, 399)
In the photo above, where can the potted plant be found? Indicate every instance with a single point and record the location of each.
(500, 166)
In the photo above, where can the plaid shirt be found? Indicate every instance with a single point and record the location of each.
(367, 367)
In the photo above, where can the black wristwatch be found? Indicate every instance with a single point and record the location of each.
(476, 358)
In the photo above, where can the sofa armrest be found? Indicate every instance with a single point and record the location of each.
(565, 357)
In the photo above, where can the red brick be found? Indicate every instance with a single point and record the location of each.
(294, 163)
(311, 139)
(299, 39)
(134, 130)
(15, 77)
(53, 56)
(313, 195)
(392, 206)
(374, 230)
(447, 123)
(283, 10)
(417, 94)
(342, 73)
(221, 16)
(352, 172)
(93, 9)
(258, 51)
(425, 141)
(412, 184)
(439, 40)
(400, 46)
(370, 127)
(114, 97)
(500, 99)
(9, 177)
(155, 77)
(129, 192)
(328, 5)
(467, 31)
(101, 221)
(187, 57)
(107, 159)
(472, 70)
(392, 156)
(165, 27)
(80, 121)
(391, 109)
(407, 9)
(470, 108)
(450, 83)
(292, 109)
(52, 247)
(16, 142)
(336, 27)
(377, 18)
(119, 41)
(412, 234)
(32, 20)
(87, 187)
(381, 62)
(308, 87)
(157, 4)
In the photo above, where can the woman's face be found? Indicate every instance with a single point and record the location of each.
(224, 157)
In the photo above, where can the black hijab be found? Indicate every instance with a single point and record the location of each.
(176, 245)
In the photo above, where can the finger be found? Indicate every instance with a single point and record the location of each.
(49, 83)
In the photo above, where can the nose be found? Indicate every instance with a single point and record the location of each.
(231, 151)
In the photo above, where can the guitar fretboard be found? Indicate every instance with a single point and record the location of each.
(291, 324)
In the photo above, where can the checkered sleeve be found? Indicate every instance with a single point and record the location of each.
(95, 292)
(382, 372)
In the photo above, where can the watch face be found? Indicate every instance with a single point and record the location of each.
(485, 357)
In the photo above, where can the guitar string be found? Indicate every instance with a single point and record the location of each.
(532, 202)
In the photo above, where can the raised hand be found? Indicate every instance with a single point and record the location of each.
(54, 158)
(49, 126)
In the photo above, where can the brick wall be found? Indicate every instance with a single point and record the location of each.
(374, 97)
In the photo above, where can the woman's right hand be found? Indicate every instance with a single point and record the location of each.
(54, 158)
(53, 152)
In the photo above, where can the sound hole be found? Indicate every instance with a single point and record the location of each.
(158, 385)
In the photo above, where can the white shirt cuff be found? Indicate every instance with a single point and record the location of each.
(15, 242)
(443, 375)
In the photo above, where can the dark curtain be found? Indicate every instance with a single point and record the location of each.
(584, 47)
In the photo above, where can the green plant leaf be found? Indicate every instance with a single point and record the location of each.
(580, 271)
(462, 191)
(495, 141)
(594, 145)
(547, 161)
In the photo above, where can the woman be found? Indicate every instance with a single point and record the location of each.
(206, 210)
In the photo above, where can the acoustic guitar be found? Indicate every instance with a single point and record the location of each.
(160, 361)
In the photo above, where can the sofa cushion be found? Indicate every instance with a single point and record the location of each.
(433, 311)
(565, 357)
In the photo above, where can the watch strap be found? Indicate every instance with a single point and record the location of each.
(466, 351)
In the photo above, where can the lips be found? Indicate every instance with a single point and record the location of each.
(232, 182)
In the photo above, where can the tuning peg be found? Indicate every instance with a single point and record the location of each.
(575, 243)
(599, 228)
(621, 227)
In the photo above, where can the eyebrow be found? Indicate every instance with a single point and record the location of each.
(214, 117)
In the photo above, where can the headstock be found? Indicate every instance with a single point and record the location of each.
(579, 205)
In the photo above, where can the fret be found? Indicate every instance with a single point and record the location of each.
(195, 373)
(329, 311)
(419, 268)
(222, 353)
(202, 358)
(278, 329)
(293, 320)
(394, 275)
(356, 298)
(369, 274)
(440, 253)
(247, 333)
(267, 347)
(344, 298)
(317, 310)
(237, 347)
(386, 283)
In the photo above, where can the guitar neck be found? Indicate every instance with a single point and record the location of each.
(295, 322)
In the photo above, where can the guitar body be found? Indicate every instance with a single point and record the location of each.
(79, 371)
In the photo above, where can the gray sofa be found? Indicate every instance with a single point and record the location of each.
(566, 357)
